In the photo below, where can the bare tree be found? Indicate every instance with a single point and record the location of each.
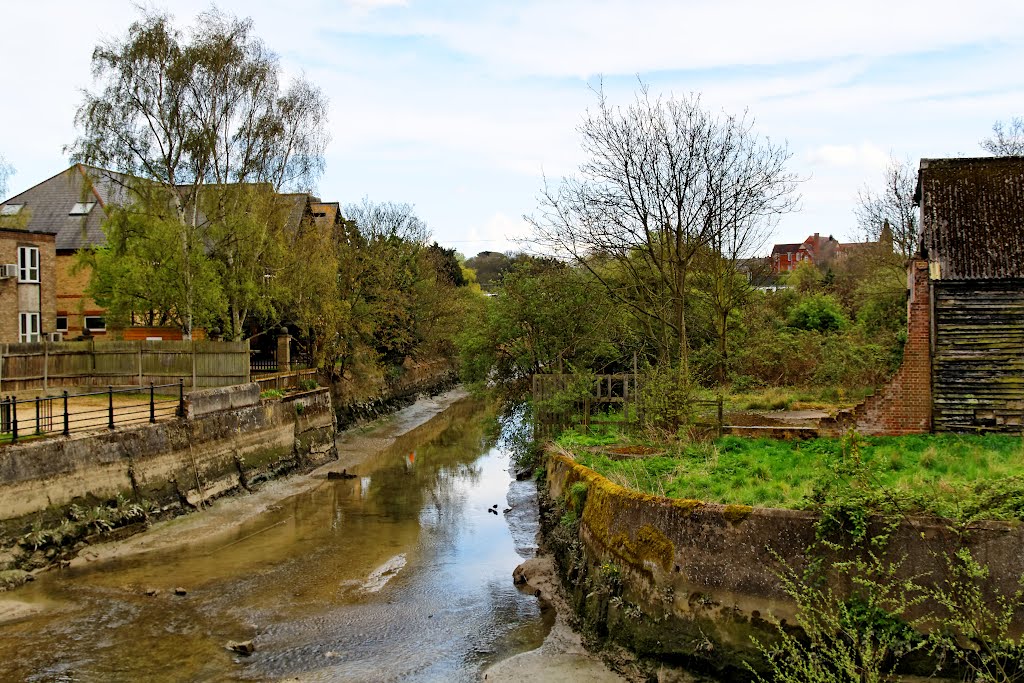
(891, 211)
(664, 178)
(1007, 139)
(381, 220)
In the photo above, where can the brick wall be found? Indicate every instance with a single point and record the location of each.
(904, 405)
(71, 298)
(10, 240)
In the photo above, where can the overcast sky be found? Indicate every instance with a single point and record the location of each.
(460, 107)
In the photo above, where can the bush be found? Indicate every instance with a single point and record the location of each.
(818, 313)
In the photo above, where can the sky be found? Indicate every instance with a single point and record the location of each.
(462, 109)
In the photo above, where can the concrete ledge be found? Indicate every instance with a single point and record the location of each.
(205, 401)
(709, 573)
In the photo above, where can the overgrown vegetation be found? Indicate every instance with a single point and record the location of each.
(960, 477)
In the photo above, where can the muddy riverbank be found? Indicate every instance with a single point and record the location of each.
(401, 573)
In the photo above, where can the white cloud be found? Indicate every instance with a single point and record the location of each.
(865, 156)
(499, 232)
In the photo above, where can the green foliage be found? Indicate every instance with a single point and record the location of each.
(665, 398)
(272, 393)
(818, 313)
(976, 626)
(544, 316)
(308, 384)
(962, 477)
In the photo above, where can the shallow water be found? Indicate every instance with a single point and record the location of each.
(398, 574)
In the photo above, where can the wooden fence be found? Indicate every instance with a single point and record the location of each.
(553, 412)
(285, 380)
(44, 366)
(555, 409)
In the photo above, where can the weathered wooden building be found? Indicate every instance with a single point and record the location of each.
(972, 237)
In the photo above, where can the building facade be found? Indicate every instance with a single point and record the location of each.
(28, 285)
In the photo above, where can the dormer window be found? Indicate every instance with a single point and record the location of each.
(11, 209)
(82, 208)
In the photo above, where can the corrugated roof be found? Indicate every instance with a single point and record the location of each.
(972, 216)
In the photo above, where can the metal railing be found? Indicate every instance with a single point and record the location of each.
(63, 414)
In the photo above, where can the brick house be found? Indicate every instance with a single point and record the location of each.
(71, 206)
(28, 289)
(815, 249)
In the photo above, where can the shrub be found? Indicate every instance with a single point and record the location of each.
(818, 313)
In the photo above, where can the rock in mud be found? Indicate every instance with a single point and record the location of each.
(180, 591)
(524, 473)
(12, 578)
(152, 592)
(242, 647)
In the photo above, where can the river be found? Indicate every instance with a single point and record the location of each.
(402, 573)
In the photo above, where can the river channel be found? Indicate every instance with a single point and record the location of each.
(402, 573)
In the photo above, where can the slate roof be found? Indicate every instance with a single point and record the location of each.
(51, 201)
(50, 204)
(972, 216)
(786, 248)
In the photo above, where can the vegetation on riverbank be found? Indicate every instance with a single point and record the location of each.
(954, 476)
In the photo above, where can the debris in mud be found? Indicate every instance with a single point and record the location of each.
(341, 475)
(244, 647)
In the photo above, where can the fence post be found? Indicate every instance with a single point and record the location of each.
(110, 406)
(67, 425)
(14, 419)
(38, 425)
(720, 415)
(152, 405)
(181, 398)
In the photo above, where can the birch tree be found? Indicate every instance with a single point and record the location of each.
(191, 113)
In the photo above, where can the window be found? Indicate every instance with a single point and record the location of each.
(28, 264)
(10, 209)
(62, 323)
(95, 323)
(81, 208)
(28, 327)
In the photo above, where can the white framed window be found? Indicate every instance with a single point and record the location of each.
(28, 264)
(28, 327)
(95, 323)
(81, 208)
(61, 324)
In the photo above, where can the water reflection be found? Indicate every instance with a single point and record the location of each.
(399, 574)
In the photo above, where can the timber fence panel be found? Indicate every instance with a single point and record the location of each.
(25, 367)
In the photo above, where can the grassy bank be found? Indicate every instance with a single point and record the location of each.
(956, 476)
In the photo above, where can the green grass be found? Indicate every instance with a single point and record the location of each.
(957, 476)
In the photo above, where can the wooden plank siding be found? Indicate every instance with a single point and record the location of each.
(978, 361)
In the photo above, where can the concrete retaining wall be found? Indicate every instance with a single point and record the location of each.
(185, 461)
(703, 578)
(206, 401)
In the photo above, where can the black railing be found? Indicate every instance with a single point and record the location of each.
(64, 414)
